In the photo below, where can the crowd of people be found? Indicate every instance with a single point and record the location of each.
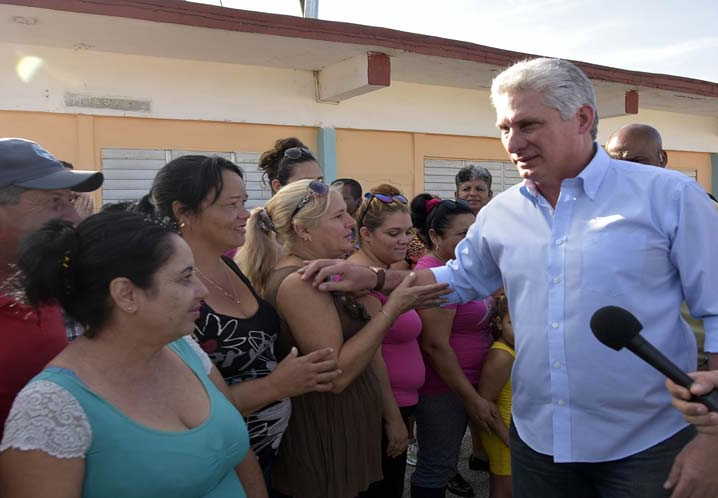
(181, 345)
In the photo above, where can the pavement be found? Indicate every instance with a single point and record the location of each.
(478, 480)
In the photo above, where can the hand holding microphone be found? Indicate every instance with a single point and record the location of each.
(618, 328)
(696, 413)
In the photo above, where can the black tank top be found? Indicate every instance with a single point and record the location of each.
(244, 349)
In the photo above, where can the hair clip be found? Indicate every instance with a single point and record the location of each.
(431, 204)
(66, 260)
(265, 222)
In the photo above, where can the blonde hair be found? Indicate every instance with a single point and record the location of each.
(271, 230)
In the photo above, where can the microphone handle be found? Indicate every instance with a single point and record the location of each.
(648, 353)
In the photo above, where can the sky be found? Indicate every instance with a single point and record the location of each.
(674, 37)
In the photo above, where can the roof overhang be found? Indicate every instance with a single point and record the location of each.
(187, 30)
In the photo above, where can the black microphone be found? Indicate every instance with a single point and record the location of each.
(617, 328)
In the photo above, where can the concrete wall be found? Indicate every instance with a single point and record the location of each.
(183, 89)
(679, 131)
(179, 89)
(381, 136)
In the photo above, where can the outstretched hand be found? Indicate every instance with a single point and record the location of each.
(339, 275)
(353, 277)
(408, 296)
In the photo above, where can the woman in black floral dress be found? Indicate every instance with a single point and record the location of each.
(205, 196)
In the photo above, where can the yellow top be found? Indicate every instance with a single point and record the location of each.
(504, 401)
(498, 452)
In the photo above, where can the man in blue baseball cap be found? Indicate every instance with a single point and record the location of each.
(35, 187)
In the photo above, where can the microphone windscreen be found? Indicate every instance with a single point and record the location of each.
(615, 326)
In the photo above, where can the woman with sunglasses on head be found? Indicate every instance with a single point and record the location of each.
(455, 341)
(288, 161)
(133, 408)
(332, 446)
(385, 229)
(206, 197)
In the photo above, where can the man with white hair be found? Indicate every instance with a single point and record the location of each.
(583, 231)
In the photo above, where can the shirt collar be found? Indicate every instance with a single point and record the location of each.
(591, 177)
(593, 174)
(528, 189)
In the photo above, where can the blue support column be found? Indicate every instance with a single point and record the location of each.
(714, 174)
(327, 152)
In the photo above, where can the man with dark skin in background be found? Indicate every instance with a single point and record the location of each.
(638, 143)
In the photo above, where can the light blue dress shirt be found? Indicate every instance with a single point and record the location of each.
(639, 237)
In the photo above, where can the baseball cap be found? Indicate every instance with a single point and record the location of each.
(25, 164)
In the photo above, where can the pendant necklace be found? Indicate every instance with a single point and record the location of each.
(232, 296)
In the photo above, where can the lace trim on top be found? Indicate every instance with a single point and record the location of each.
(46, 417)
(206, 362)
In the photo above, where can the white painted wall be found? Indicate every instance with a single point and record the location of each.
(679, 131)
(183, 89)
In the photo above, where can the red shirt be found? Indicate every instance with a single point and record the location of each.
(29, 339)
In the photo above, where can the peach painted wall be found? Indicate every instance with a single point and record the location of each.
(375, 157)
(372, 157)
(698, 161)
(79, 138)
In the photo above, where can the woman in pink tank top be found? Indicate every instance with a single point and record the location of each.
(455, 342)
(384, 227)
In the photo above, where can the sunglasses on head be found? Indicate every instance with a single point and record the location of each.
(315, 188)
(386, 199)
(295, 153)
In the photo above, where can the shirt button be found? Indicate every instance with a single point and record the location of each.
(557, 364)
(556, 280)
(561, 402)
(554, 325)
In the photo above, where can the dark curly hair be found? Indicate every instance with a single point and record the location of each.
(276, 166)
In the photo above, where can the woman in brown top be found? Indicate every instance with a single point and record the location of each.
(332, 446)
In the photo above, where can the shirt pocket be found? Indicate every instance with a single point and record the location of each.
(613, 261)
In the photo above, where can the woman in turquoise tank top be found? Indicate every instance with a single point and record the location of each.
(133, 408)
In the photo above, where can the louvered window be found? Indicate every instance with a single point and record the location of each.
(439, 175)
(129, 172)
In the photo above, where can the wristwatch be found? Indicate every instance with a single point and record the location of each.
(380, 277)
